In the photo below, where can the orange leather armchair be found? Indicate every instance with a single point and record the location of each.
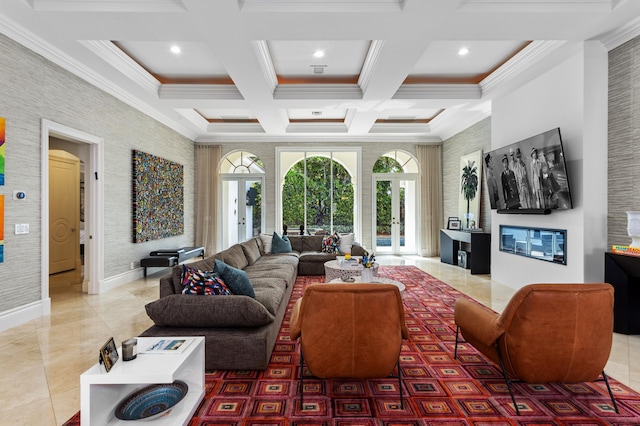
(349, 331)
(546, 333)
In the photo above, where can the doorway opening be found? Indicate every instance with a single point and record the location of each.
(89, 150)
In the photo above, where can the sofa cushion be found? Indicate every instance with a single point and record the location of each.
(280, 244)
(269, 292)
(197, 282)
(312, 243)
(316, 257)
(346, 242)
(182, 310)
(266, 242)
(251, 250)
(234, 256)
(296, 242)
(236, 279)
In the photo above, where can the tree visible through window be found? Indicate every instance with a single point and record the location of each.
(383, 194)
(324, 178)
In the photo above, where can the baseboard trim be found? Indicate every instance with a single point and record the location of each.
(121, 279)
(23, 314)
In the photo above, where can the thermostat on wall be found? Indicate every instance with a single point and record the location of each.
(19, 195)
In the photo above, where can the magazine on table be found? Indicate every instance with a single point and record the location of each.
(167, 346)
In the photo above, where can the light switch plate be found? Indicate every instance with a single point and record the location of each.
(22, 228)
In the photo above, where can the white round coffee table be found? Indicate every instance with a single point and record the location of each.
(376, 280)
(340, 269)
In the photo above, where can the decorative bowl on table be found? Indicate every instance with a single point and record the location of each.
(151, 401)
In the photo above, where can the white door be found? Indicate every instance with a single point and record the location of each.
(242, 213)
(64, 211)
(395, 202)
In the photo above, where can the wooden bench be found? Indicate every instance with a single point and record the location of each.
(170, 257)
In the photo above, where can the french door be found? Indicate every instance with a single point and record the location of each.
(242, 212)
(395, 201)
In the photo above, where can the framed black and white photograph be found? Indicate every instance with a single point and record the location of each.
(109, 354)
(453, 223)
(529, 174)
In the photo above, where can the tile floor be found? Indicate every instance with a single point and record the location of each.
(41, 361)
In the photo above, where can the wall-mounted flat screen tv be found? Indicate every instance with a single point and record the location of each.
(528, 175)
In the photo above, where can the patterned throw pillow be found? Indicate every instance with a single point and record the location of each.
(195, 281)
(330, 243)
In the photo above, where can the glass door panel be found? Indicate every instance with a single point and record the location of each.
(241, 209)
(395, 220)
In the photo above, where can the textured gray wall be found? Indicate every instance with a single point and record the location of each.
(470, 140)
(624, 139)
(32, 88)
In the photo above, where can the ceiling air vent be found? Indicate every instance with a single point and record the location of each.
(318, 69)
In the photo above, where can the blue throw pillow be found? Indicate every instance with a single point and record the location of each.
(280, 244)
(236, 279)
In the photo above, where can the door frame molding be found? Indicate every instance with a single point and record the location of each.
(374, 222)
(94, 204)
(226, 177)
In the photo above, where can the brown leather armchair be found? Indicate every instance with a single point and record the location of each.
(546, 333)
(349, 331)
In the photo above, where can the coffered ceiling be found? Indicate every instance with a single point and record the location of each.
(263, 70)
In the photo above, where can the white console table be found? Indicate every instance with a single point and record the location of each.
(101, 392)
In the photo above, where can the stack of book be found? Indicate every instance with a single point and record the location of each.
(630, 251)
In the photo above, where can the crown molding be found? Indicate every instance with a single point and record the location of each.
(319, 139)
(438, 91)
(114, 56)
(535, 6)
(29, 40)
(521, 61)
(448, 123)
(619, 36)
(395, 128)
(106, 5)
(369, 64)
(266, 63)
(200, 92)
(235, 128)
(317, 91)
(317, 128)
(358, 6)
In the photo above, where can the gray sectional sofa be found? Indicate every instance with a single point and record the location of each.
(240, 331)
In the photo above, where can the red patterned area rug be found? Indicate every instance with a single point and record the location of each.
(438, 389)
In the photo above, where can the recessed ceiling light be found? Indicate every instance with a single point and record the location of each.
(175, 49)
(318, 53)
(463, 51)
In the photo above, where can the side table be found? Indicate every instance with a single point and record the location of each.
(101, 392)
(344, 269)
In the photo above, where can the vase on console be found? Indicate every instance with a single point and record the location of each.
(367, 275)
(633, 228)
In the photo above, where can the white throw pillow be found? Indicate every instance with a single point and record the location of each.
(346, 242)
(266, 242)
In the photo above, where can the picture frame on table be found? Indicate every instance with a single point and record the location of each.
(453, 223)
(109, 354)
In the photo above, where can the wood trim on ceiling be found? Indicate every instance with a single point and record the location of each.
(163, 79)
(409, 121)
(475, 79)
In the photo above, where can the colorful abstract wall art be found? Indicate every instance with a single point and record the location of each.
(158, 197)
(2, 133)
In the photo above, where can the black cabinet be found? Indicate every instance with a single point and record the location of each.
(476, 244)
(623, 273)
